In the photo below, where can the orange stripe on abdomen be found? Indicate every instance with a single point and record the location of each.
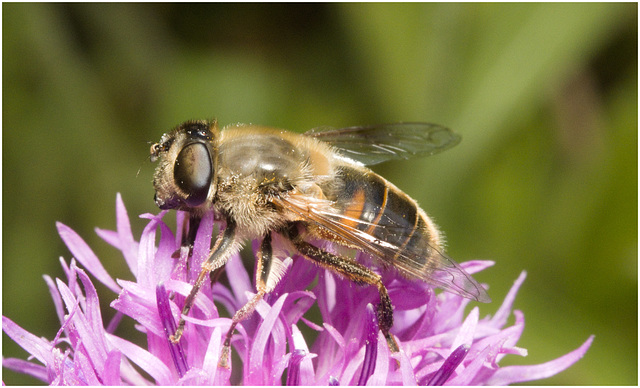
(354, 209)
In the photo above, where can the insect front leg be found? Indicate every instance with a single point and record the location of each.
(188, 239)
(223, 249)
(355, 272)
(263, 285)
(188, 236)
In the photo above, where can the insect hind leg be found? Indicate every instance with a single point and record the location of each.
(385, 318)
(353, 271)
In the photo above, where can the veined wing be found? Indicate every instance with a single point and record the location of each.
(378, 143)
(420, 261)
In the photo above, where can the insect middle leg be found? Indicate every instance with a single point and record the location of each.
(265, 256)
(353, 271)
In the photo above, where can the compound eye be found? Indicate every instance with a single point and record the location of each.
(193, 173)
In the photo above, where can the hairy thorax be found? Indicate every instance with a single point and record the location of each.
(255, 166)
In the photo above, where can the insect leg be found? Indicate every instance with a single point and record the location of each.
(224, 246)
(188, 236)
(265, 254)
(188, 239)
(355, 272)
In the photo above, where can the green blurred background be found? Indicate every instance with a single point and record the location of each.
(544, 96)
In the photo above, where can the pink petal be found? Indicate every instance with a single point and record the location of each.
(371, 345)
(146, 255)
(468, 373)
(311, 325)
(257, 373)
(335, 334)
(145, 360)
(201, 245)
(202, 301)
(500, 319)
(224, 296)
(449, 365)
(521, 373)
(26, 367)
(109, 236)
(212, 356)
(163, 260)
(84, 364)
(129, 246)
(35, 346)
(381, 371)
(111, 374)
(92, 308)
(278, 365)
(55, 295)
(176, 350)
(240, 282)
(508, 337)
(193, 377)
(122, 238)
(141, 308)
(451, 312)
(474, 266)
(406, 369)
(293, 369)
(223, 376)
(467, 330)
(297, 305)
(90, 339)
(129, 374)
(306, 374)
(332, 345)
(81, 251)
(353, 365)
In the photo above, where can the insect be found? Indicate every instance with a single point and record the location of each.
(270, 184)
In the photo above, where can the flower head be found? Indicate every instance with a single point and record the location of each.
(438, 343)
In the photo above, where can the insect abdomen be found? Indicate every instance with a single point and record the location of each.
(373, 205)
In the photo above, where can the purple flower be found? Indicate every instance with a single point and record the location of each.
(439, 344)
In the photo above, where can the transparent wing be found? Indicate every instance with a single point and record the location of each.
(379, 143)
(418, 261)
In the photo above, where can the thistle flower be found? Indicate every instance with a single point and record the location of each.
(439, 344)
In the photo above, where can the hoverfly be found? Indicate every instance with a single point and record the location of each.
(265, 182)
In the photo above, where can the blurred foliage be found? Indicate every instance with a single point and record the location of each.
(544, 95)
